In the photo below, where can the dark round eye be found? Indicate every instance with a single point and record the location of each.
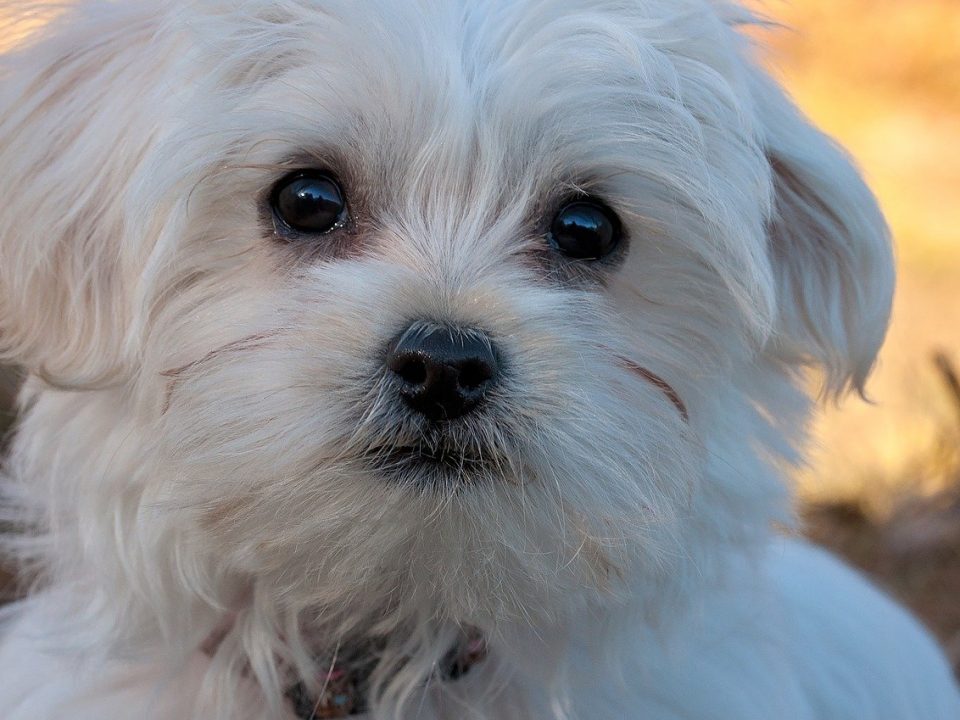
(309, 201)
(585, 230)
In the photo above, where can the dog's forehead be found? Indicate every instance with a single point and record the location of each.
(514, 84)
(448, 120)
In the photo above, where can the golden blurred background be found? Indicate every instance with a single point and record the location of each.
(883, 482)
(883, 77)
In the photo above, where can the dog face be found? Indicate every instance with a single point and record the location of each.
(472, 310)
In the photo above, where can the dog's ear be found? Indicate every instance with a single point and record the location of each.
(73, 126)
(829, 246)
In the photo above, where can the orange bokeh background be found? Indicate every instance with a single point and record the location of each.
(883, 76)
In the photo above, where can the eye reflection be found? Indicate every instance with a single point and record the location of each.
(309, 201)
(585, 230)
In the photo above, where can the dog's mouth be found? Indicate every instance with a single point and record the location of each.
(431, 464)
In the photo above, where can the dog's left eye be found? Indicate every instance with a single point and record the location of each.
(585, 230)
(309, 201)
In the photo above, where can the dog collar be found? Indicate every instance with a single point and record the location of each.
(344, 688)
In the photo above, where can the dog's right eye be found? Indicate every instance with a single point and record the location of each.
(585, 229)
(310, 202)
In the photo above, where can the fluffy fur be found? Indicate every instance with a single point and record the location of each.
(204, 397)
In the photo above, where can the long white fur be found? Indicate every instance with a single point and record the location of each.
(199, 399)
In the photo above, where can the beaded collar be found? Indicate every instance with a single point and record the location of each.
(345, 686)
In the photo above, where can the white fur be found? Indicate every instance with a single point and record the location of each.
(201, 393)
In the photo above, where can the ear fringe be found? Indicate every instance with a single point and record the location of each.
(830, 248)
(69, 143)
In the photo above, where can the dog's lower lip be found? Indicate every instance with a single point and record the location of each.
(428, 456)
(411, 456)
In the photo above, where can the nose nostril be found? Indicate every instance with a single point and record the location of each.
(473, 374)
(445, 372)
(412, 369)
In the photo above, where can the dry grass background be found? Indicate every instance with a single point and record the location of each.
(883, 484)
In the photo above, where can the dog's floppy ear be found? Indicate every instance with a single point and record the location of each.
(73, 125)
(829, 245)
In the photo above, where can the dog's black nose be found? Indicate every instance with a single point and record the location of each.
(445, 371)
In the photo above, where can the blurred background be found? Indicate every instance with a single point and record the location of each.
(883, 482)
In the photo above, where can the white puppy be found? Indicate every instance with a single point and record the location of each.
(429, 359)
